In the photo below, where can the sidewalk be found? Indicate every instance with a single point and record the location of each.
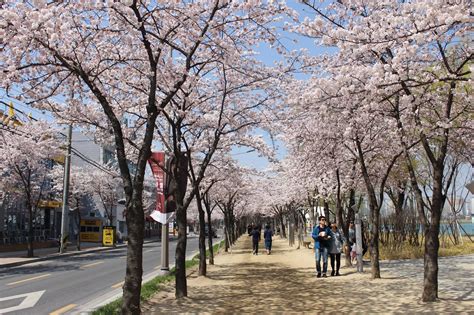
(285, 282)
(18, 258)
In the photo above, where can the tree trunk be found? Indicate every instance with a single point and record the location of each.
(430, 281)
(291, 230)
(232, 226)
(30, 232)
(211, 250)
(431, 230)
(350, 217)
(398, 200)
(202, 236)
(326, 212)
(282, 226)
(238, 225)
(226, 231)
(374, 242)
(374, 214)
(343, 226)
(180, 174)
(134, 271)
(181, 283)
(300, 230)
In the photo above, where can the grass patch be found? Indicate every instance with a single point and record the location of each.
(454, 250)
(215, 247)
(111, 308)
(407, 251)
(151, 287)
(148, 289)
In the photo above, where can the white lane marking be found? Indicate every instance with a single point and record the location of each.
(30, 300)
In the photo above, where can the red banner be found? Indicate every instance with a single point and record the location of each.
(157, 164)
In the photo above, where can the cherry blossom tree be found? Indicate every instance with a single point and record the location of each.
(102, 63)
(232, 194)
(221, 115)
(105, 186)
(26, 153)
(410, 62)
(217, 109)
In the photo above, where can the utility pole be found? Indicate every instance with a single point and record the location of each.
(358, 229)
(165, 267)
(65, 207)
(165, 241)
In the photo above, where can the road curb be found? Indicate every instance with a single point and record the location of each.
(94, 304)
(98, 302)
(56, 256)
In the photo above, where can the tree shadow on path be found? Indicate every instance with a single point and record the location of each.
(271, 284)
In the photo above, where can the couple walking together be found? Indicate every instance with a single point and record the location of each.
(327, 241)
(267, 235)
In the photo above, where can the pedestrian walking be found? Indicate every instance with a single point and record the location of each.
(354, 253)
(267, 236)
(255, 239)
(335, 249)
(321, 235)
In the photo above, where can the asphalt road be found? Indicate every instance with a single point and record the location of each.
(73, 281)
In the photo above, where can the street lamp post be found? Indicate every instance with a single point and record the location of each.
(165, 268)
(65, 207)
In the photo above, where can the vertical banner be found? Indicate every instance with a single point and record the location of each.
(157, 164)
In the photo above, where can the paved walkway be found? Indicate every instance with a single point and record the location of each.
(285, 282)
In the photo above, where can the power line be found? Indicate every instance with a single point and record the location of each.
(16, 102)
(42, 112)
(91, 162)
(74, 150)
(22, 112)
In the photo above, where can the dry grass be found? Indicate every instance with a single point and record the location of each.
(453, 250)
(408, 251)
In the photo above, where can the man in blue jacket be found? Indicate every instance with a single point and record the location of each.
(321, 235)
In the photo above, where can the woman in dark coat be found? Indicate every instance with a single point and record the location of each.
(255, 239)
(267, 236)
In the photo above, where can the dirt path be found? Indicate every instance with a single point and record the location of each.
(285, 282)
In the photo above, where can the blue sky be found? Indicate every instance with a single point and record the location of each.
(266, 55)
(269, 57)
